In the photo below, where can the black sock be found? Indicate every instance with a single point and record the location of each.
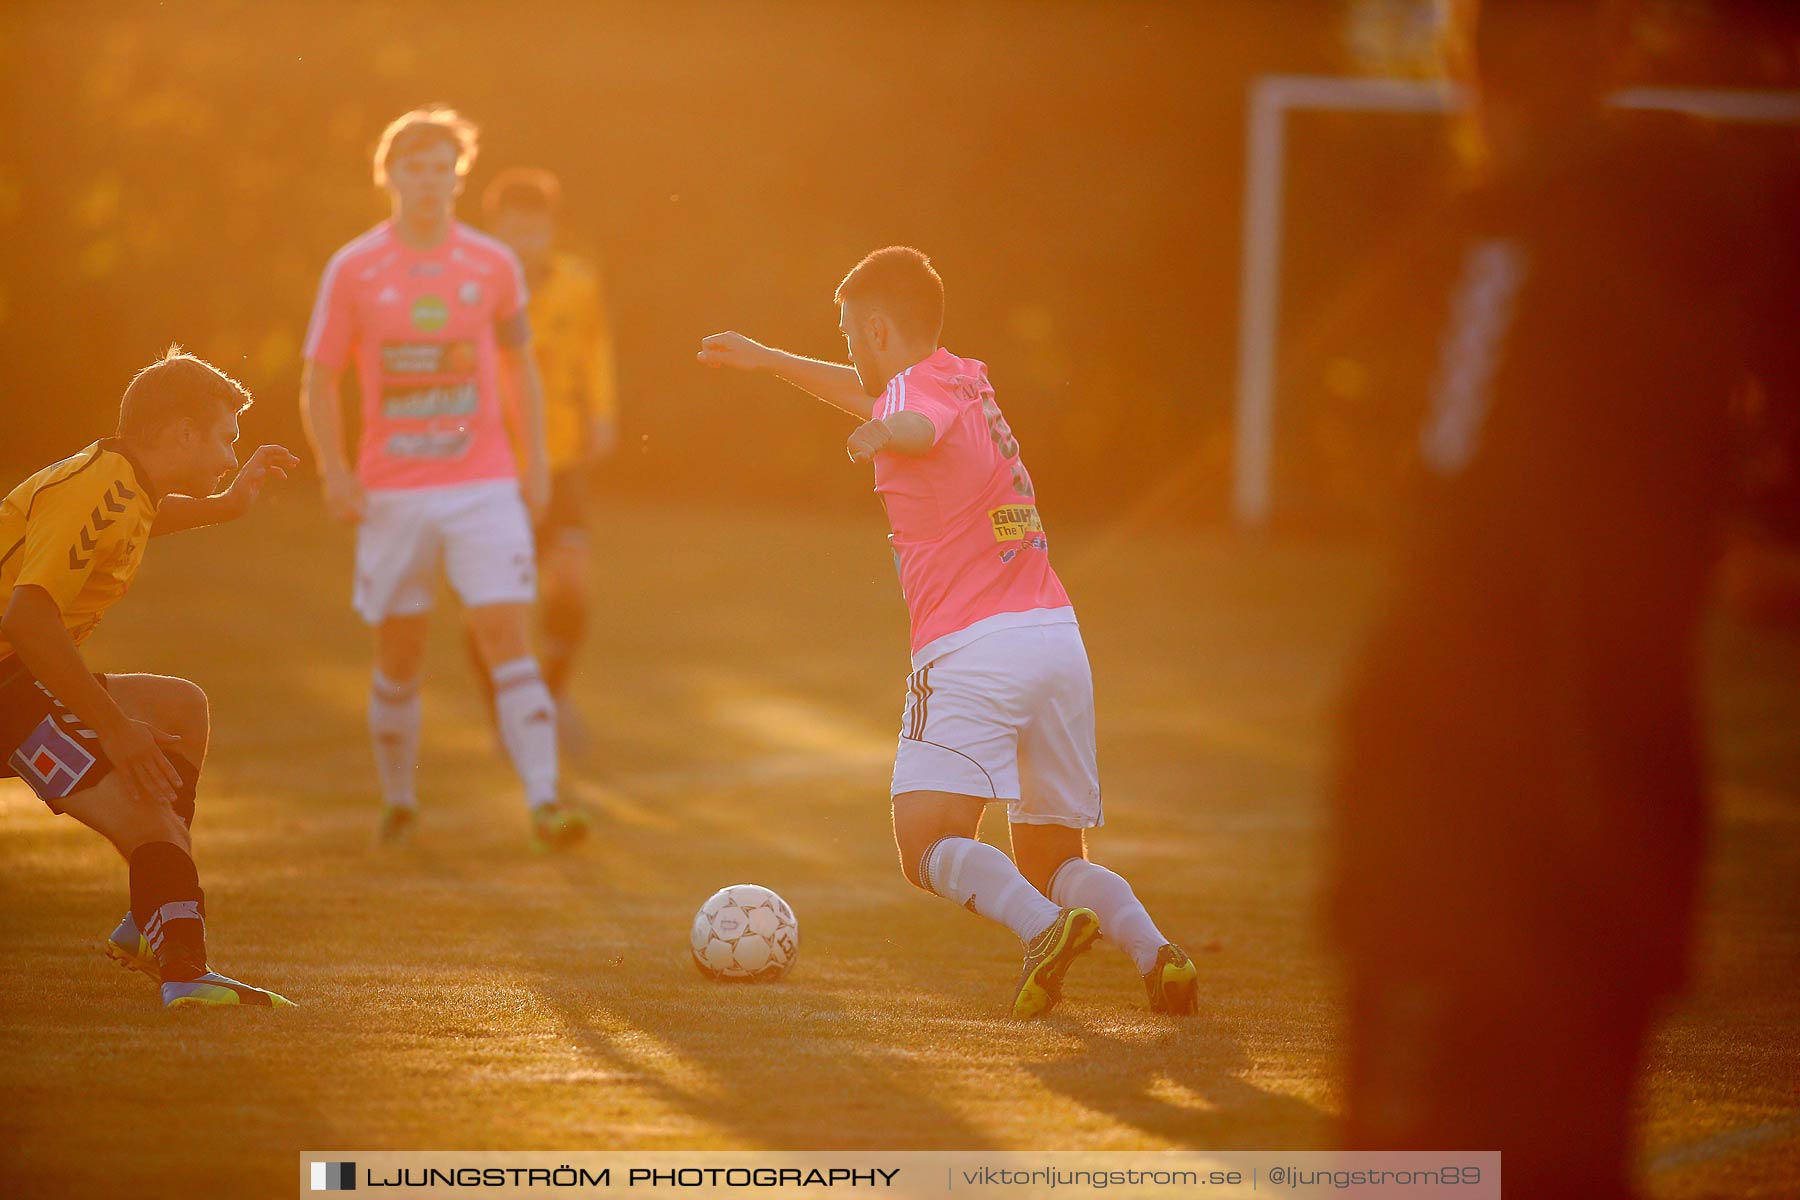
(184, 808)
(169, 906)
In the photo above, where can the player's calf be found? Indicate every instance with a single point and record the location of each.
(562, 617)
(939, 853)
(1168, 974)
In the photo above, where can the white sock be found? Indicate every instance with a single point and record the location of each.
(394, 715)
(1079, 883)
(982, 879)
(527, 726)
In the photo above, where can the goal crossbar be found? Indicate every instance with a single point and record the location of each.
(1272, 97)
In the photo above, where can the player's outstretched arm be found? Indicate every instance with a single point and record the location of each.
(322, 416)
(33, 624)
(834, 383)
(177, 513)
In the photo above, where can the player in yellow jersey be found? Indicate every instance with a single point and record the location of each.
(572, 339)
(122, 753)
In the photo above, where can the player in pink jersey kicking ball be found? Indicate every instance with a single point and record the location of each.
(1000, 704)
(434, 314)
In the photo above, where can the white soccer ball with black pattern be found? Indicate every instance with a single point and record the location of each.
(745, 933)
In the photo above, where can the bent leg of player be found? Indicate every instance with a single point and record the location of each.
(64, 763)
(562, 622)
(957, 753)
(1060, 799)
(173, 706)
(396, 716)
(527, 717)
(940, 853)
(489, 557)
(398, 546)
(1170, 979)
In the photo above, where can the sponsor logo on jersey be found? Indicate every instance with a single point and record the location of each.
(428, 358)
(454, 443)
(389, 295)
(469, 293)
(430, 313)
(1014, 522)
(412, 404)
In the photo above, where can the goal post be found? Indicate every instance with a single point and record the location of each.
(1272, 97)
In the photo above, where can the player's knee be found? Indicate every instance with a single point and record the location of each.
(184, 711)
(565, 615)
(914, 845)
(502, 632)
(564, 575)
(400, 647)
(910, 857)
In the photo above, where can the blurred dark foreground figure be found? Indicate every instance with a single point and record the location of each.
(1519, 806)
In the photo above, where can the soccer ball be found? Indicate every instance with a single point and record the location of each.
(745, 932)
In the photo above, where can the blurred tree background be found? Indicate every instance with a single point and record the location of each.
(182, 171)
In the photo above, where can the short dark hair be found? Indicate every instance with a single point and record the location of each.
(906, 286)
(175, 386)
(521, 189)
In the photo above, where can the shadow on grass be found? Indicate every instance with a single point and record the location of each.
(765, 1068)
(1185, 1080)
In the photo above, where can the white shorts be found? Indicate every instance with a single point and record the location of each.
(480, 532)
(1009, 717)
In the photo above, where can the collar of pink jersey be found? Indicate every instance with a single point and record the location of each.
(392, 229)
(940, 352)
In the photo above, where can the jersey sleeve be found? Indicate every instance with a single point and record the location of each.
(333, 325)
(70, 528)
(906, 394)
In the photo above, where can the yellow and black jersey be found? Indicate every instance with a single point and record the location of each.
(572, 339)
(77, 529)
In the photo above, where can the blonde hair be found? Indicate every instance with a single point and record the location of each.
(420, 128)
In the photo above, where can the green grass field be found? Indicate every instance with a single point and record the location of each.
(744, 684)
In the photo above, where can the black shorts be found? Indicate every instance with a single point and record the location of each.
(42, 742)
(566, 516)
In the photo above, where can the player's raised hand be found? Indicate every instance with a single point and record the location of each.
(344, 498)
(267, 462)
(870, 438)
(733, 349)
(135, 750)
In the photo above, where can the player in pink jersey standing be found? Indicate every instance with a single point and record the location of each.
(1000, 704)
(433, 312)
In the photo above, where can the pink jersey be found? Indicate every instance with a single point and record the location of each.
(971, 549)
(425, 327)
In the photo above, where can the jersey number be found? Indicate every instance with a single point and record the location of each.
(1001, 434)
